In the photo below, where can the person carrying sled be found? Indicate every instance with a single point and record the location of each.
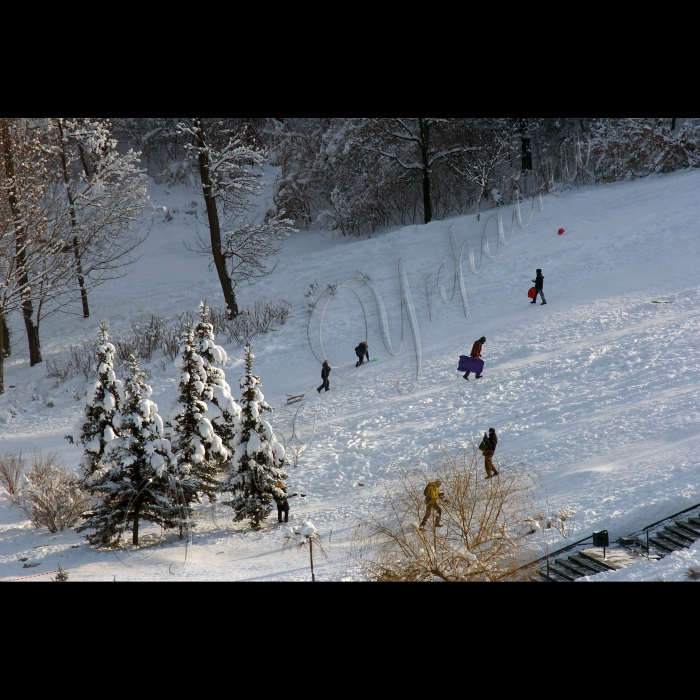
(488, 447)
(476, 354)
(362, 352)
(539, 287)
(325, 375)
(432, 496)
(283, 503)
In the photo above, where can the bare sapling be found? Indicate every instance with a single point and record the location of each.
(302, 537)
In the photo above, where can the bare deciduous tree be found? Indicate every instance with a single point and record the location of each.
(106, 194)
(32, 247)
(485, 524)
(230, 177)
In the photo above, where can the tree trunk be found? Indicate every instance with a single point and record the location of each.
(2, 355)
(21, 255)
(137, 513)
(526, 144)
(74, 223)
(6, 350)
(425, 157)
(213, 216)
(673, 123)
(33, 340)
(311, 556)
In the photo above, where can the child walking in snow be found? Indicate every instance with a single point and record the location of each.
(325, 375)
(539, 287)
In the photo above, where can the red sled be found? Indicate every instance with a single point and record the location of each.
(532, 293)
(469, 364)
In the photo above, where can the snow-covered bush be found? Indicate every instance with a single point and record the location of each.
(48, 493)
(635, 147)
(95, 430)
(257, 467)
(137, 482)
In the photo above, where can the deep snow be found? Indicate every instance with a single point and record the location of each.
(598, 393)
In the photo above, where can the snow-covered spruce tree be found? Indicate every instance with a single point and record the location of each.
(199, 451)
(258, 464)
(95, 430)
(137, 482)
(224, 413)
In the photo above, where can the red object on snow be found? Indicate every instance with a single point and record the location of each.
(561, 231)
(532, 293)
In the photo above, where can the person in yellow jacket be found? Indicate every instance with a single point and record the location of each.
(432, 496)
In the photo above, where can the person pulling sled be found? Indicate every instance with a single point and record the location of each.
(362, 352)
(539, 288)
(476, 355)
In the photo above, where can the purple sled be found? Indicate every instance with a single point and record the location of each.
(469, 364)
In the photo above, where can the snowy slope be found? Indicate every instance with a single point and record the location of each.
(599, 393)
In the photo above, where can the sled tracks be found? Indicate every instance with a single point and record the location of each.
(578, 560)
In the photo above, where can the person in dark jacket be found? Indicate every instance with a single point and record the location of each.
(488, 447)
(283, 503)
(476, 354)
(539, 288)
(362, 352)
(325, 375)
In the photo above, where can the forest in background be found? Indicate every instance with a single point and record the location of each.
(355, 176)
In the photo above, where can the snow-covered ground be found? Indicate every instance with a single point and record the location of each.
(598, 394)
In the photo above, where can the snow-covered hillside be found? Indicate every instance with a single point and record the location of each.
(598, 393)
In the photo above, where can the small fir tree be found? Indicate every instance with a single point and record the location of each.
(95, 430)
(137, 483)
(257, 467)
(224, 413)
(200, 452)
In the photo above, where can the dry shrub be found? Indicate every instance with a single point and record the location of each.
(11, 470)
(80, 361)
(49, 494)
(148, 336)
(484, 535)
(693, 574)
(251, 322)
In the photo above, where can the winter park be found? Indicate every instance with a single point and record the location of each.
(349, 349)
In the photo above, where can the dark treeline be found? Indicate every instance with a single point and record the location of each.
(355, 175)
